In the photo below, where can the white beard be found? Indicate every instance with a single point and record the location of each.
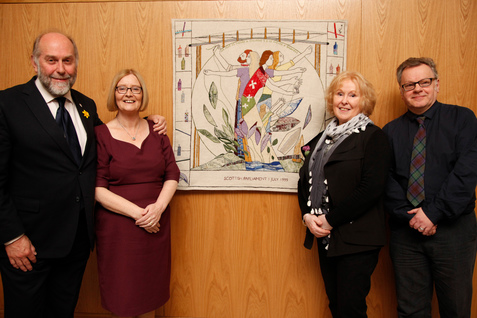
(55, 89)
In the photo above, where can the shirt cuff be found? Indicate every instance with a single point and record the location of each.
(14, 240)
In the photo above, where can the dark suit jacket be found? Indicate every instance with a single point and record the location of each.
(356, 172)
(42, 189)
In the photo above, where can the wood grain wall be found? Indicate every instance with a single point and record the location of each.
(240, 254)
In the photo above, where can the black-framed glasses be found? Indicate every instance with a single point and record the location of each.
(123, 89)
(423, 83)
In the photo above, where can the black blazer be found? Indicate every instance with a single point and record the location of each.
(42, 189)
(356, 172)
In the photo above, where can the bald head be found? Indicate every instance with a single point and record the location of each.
(53, 37)
(54, 59)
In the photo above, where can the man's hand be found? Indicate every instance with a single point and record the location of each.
(160, 123)
(21, 254)
(421, 222)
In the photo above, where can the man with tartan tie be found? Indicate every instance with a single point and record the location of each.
(431, 197)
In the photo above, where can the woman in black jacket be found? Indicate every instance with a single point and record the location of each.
(340, 192)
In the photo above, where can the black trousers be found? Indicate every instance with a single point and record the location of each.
(444, 262)
(52, 288)
(347, 281)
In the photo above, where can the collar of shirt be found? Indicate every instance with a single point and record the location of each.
(428, 114)
(47, 96)
(70, 107)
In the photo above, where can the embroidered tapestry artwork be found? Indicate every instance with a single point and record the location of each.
(247, 96)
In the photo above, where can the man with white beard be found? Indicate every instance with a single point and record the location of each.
(47, 182)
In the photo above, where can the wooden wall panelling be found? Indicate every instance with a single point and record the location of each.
(382, 23)
(461, 64)
(379, 44)
(240, 254)
(425, 33)
(459, 73)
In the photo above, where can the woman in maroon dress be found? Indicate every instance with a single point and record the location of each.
(136, 179)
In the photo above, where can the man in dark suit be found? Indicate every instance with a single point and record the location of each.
(431, 197)
(46, 191)
(47, 197)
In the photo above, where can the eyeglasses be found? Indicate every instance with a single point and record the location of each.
(422, 83)
(123, 89)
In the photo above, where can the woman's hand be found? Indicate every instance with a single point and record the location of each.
(150, 217)
(152, 229)
(315, 225)
(153, 212)
(324, 222)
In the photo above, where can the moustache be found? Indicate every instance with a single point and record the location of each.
(60, 78)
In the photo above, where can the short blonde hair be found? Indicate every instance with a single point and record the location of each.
(366, 91)
(111, 104)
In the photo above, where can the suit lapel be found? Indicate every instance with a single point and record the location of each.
(304, 170)
(311, 145)
(81, 107)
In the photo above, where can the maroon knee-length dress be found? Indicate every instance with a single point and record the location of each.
(134, 266)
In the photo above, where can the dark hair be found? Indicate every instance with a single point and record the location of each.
(416, 61)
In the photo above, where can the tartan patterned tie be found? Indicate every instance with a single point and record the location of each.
(415, 192)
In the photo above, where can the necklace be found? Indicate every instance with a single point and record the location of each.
(137, 129)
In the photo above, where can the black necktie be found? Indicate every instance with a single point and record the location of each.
(63, 120)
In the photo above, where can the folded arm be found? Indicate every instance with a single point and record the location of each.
(120, 205)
